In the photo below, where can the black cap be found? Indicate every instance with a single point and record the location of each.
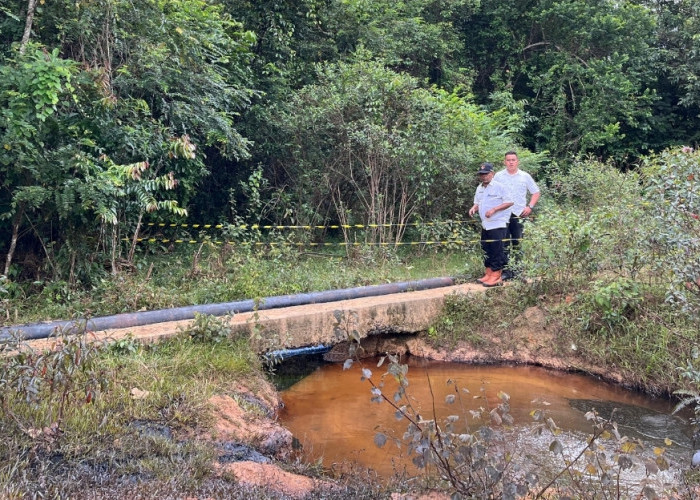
(485, 168)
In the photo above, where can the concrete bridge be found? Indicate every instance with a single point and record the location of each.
(314, 324)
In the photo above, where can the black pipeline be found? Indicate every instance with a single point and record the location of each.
(126, 320)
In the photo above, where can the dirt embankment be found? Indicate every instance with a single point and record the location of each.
(531, 339)
(249, 436)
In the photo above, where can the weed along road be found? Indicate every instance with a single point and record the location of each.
(314, 324)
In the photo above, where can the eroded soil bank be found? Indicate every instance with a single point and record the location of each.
(531, 339)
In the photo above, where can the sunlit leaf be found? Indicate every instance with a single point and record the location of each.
(662, 463)
(628, 447)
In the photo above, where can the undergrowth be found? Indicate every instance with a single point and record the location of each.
(182, 278)
(603, 286)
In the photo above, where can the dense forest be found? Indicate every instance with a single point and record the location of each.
(117, 114)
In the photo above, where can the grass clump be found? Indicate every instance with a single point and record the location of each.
(83, 411)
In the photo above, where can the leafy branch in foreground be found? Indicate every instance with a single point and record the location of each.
(488, 462)
(473, 462)
(691, 397)
(602, 473)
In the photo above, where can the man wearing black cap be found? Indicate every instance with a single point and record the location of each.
(492, 201)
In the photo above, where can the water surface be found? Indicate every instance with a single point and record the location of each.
(331, 414)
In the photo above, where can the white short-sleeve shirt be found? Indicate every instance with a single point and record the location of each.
(489, 197)
(520, 183)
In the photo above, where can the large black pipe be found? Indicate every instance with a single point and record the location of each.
(126, 320)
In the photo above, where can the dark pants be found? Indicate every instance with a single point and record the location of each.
(514, 235)
(493, 245)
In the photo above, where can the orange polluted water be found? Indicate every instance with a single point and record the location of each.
(330, 411)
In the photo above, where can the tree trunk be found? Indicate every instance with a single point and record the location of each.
(114, 249)
(135, 239)
(31, 7)
(13, 241)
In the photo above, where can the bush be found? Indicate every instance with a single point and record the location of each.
(597, 229)
(671, 181)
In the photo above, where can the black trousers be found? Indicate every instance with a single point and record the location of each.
(493, 246)
(514, 235)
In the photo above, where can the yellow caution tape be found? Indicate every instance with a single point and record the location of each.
(332, 226)
(312, 244)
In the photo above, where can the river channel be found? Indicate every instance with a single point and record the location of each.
(331, 413)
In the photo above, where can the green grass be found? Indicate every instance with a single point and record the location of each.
(172, 280)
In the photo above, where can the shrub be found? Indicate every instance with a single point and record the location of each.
(671, 182)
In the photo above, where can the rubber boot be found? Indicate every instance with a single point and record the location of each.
(494, 280)
(486, 276)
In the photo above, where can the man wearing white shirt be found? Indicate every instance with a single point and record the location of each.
(521, 184)
(492, 201)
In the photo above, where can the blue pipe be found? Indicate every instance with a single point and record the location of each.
(283, 354)
(126, 320)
